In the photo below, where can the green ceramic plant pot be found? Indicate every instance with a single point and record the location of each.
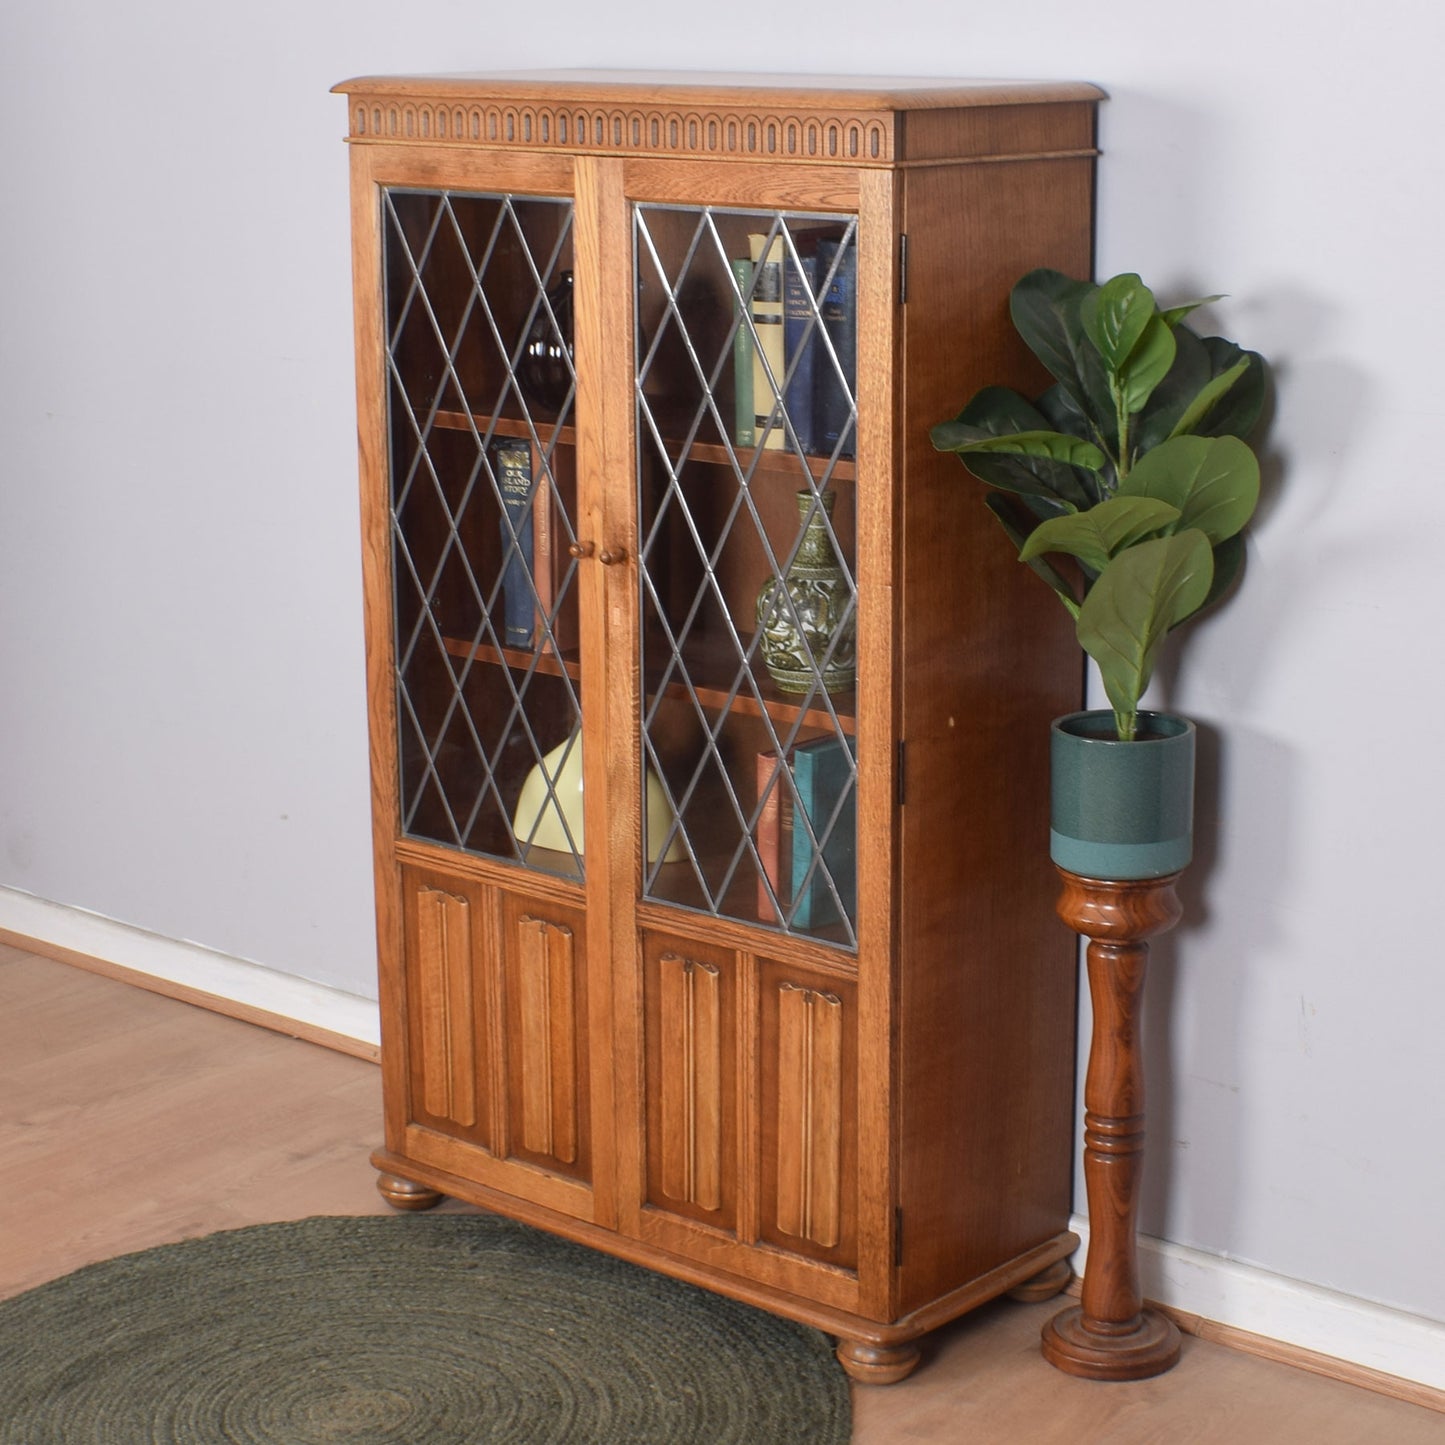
(1122, 810)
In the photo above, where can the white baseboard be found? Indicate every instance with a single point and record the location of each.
(1305, 1316)
(191, 968)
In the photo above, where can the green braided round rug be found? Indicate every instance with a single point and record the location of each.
(429, 1330)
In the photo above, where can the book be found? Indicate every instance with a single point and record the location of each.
(512, 463)
(556, 606)
(744, 429)
(825, 778)
(838, 306)
(799, 341)
(774, 838)
(768, 356)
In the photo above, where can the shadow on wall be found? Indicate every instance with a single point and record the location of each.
(1197, 1090)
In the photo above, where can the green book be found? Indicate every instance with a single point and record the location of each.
(744, 432)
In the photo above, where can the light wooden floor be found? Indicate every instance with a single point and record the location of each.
(128, 1120)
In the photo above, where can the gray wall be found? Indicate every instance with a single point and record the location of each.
(181, 736)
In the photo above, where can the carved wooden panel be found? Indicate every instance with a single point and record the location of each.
(691, 1080)
(691, 1054)
(810, 1114)
(444, 989)
(446, 1004)
(547, 1039)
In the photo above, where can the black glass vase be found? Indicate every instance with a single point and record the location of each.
(545, 368)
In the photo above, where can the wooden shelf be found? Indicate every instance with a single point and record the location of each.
(717, 659)
(548, 663)
(763, 462)
(700, 660)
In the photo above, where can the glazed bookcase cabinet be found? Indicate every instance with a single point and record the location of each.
(746, 974)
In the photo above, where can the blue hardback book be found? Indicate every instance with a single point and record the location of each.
(512, 460)
(799, 344)
(832, 405)
(825, 778)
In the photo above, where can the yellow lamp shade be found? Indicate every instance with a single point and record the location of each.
(553, 819)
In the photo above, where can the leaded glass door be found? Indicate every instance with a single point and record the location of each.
(746, 495)
(483, 484)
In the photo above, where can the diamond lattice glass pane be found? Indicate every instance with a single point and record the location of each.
(478, 313)
(747, 498)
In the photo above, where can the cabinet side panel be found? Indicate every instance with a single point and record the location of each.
(987, 973)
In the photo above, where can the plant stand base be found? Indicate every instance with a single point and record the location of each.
(1150, 1348)
(1110, 1335)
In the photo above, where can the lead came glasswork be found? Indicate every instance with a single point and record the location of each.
(747, 420)
(483, 488)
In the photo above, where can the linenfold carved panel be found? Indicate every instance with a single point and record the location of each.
(548, 1038)
(691, 1084)
(762, 134)
(444, 976)
(810, 1114)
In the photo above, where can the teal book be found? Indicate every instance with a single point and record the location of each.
(744, 430)
(826, 780)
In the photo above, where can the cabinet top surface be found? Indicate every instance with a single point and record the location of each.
(823, 92)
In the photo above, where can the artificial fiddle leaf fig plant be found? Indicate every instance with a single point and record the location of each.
(1133, 464)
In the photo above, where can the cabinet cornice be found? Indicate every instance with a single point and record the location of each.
(853, 122)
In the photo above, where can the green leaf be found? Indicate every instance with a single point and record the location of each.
(1051, 445)
(1045, 308)
(1213, 481)
(997, 412)
(1097, 535)
(1114, 317)
(1175, 314)
(1019, 517)
(1208, 398)
(1139, 596)
(1147, 365)
(1228, 563)
(1185, 379)
(1000, 411)
(1238, 413)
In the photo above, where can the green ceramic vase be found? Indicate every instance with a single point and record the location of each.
(1122, 810)
(808, 612)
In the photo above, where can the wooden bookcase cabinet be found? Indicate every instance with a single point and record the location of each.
(866, 1127)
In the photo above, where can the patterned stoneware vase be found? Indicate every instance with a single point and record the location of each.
(1122, 811)
(810, 611)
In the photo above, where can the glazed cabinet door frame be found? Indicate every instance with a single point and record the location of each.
(864, 976)
(547, 175)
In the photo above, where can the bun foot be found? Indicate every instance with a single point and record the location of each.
(878, 1364)
(1044, 1285)
(405, 1194)
(1149, 1347)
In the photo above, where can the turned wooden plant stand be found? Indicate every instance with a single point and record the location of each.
(1109, 1335)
